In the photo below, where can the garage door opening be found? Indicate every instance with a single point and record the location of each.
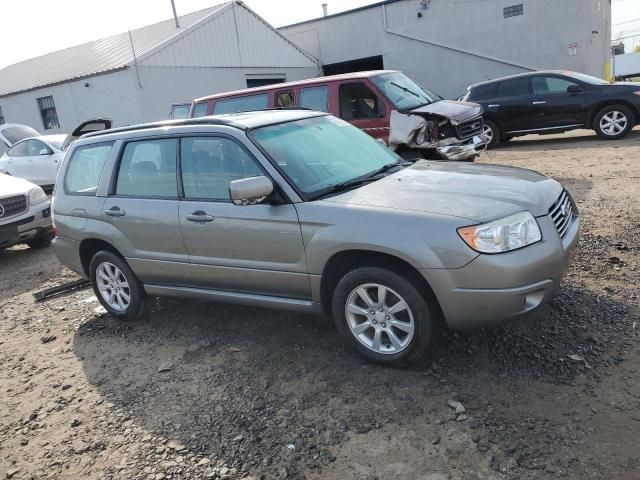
(358, 65)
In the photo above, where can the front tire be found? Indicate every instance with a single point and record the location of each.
(613, 122)
(491, 133)
(41, 241)
(384, 316)
(116, 286)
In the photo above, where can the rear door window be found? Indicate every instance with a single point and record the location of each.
(483, 92)
(357, 101)
(85, 168)
(315, 98)
(515, 87)
(241, 104)
(19, 150)
(148, 169)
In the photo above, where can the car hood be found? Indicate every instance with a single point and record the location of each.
(475, 192)
(454, 110)
(10, 186)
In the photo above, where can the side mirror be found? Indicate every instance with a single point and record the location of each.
(573, 89)
(250, 191)
(45, 151)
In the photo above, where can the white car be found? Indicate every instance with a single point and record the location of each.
(25, 214)
(35, 159)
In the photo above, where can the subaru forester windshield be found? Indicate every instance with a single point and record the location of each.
(324, 154)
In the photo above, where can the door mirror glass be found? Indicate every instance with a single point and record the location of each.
(45, 151)
(574, 89)
(250, 191)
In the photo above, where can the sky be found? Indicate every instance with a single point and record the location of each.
(35, 27)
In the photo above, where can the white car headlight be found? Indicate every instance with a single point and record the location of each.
(502, 235)
(37, 195)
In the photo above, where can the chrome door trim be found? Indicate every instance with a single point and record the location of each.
(547, 128)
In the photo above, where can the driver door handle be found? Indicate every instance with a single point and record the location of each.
(115, 212)
(539, 103)
(199, 216)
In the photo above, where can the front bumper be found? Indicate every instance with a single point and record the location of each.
(463, 151)
(494, 288)
(37, 221)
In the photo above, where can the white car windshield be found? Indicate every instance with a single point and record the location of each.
(319, 153)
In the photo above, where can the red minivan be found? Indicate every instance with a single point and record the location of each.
(386, 104)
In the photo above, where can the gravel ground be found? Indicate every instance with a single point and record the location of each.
(201, 390)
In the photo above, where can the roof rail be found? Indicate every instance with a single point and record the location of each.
(206, 120)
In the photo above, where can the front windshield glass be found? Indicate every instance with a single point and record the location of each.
(404, 93)
(587, 78)
(319, 153)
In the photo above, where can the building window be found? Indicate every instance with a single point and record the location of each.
(48, 113)
(513, 11)
(1, 117)
(262, 82)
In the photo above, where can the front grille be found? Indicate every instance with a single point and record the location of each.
(11, 206)
(470, 129)
(562, 213)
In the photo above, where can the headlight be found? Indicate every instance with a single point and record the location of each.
(37, 195)
(502, 235)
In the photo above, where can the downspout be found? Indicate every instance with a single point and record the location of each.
(235, 21)
(135, 59)
(448, 47)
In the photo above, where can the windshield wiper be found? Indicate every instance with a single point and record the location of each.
(357, 182)
(408, 90)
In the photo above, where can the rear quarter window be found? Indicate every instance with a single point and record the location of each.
(315, 98)
(85, 168)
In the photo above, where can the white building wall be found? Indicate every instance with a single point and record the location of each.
(456, 43)
(111, 95)
(162, 86)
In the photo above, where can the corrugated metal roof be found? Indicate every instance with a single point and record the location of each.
(99, 56)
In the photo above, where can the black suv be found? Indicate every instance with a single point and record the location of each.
(553, 102)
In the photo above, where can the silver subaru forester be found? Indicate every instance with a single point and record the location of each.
(299, 210)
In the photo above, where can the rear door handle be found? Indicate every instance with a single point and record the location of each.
(494, 106)
(199, 216)
(539, 103)
(115, 212)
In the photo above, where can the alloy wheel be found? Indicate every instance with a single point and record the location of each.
(379, 318)
(487, 133)
(113, 286)
(613, 123)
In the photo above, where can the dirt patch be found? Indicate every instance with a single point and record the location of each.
(202, 390)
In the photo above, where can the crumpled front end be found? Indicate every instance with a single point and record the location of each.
(445, 130)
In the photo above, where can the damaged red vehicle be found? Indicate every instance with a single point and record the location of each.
(386, 104)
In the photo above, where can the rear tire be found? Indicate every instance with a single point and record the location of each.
(394, 331)
(41, 241)
(613, 122)
(491, 133)
(116, 286)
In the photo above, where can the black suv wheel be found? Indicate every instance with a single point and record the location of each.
(491, 133)
(613, 122)
(383, 315)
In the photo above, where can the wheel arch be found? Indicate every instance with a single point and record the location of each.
(340, 263)
(606, 103)
(90, 246)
